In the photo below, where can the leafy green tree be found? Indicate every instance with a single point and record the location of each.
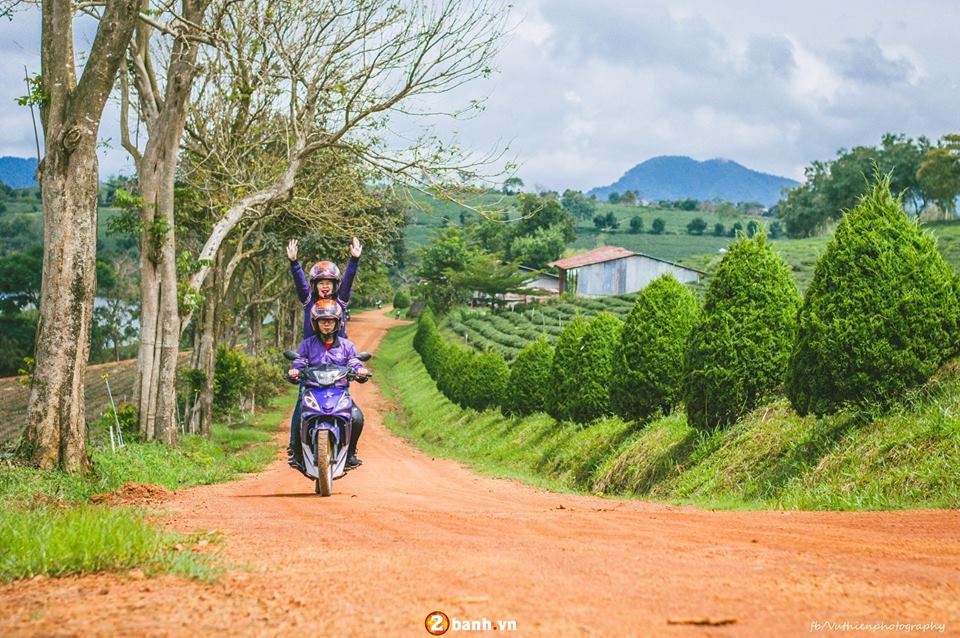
(880, 315)
(449, 253)
(719, 230)
(401, 300)
(530, 378)
(752, 228)
(696, 226)
(578, 204)
(649, 363)
(658, 227)
(939, 174)
(20, 280)
(630, 198)
(484, 274)
(539, 213)
(539, 249)
(512, 185)
(597, 346)
(736, 356)
(636, 224)
(564, 370)
(614, 198)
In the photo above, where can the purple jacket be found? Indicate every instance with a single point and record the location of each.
(306, 295)
(342, 353)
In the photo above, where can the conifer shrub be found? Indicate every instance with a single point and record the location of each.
(484, 380)
(649, 360)
(530, 378)
(564, 369)
(451, 365)
(737, 354)
(881, 313)
(597, 347)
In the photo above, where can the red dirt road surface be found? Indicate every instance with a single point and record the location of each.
(406, 535)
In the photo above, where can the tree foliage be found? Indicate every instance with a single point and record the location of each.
(530, 378)
(649, 361)
(564, 377)
(880, 315)
(737, 354)
(591, 398)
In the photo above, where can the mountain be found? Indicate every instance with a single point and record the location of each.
(17, 172)
(674, 177)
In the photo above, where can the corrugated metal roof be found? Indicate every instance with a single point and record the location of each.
(595, 256)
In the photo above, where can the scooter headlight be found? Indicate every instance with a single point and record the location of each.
(310, 401)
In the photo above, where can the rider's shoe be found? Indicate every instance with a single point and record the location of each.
(353, 461)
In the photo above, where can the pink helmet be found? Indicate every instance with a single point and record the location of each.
(325, 270)
(326, 309)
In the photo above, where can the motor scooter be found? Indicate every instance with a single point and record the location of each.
(326, 420)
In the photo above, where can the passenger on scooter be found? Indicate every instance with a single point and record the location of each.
(325, 283)
(326, 346)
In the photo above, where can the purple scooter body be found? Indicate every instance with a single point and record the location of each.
(326, 412)
(326, 420)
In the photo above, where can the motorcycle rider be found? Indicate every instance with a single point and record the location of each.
(326, 345)
(325, 283)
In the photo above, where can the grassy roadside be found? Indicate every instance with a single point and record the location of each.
(773, 458)
(51, 523)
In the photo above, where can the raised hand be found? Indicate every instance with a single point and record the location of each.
(356, 248)
(292, 250)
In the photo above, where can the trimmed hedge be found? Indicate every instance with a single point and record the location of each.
(649, 362)
(881, 313)
(737, 355)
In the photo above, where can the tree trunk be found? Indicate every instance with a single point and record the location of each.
(165, 118)
(68, 175)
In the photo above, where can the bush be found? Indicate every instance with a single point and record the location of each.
(564, 377)
(484, 380)
(880, 314)
(737, 354)
(401, 300)
(649, 362)
(592, 375)
(530, 378)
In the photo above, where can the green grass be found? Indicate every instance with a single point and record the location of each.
(772, 458)
(49, 526)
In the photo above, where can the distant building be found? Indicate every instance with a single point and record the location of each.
(612, 270)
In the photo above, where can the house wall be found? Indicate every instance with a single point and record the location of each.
(629, 274)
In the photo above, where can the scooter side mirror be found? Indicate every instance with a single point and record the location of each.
(290, 354)
(364, 356)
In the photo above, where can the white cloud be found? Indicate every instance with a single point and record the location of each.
(588, 90)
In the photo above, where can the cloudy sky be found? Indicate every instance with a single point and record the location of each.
(587, 90)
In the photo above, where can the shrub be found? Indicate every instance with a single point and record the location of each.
(592, 376)
(564, 377)
(484, 380)
(649, 362)
(401, 300)
(231, 380)
(737, 354)
(880, 314)
(530, 378)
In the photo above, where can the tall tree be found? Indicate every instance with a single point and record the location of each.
(295, 80)
(161, 105)
(70, 115)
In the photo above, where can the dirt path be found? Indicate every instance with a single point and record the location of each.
(407, 535)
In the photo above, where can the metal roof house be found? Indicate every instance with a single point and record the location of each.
(612, 270)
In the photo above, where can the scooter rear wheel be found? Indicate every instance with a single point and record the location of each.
(324, 483)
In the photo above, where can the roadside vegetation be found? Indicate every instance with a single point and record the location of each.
(56, 524)
(770, 458)
(771, 383)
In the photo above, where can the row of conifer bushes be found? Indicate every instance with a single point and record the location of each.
(881, 314)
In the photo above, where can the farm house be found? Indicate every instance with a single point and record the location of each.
(612, 270)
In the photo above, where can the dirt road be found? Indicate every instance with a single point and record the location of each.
(406, 535)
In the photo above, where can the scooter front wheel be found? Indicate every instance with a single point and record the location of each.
(324, 483)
